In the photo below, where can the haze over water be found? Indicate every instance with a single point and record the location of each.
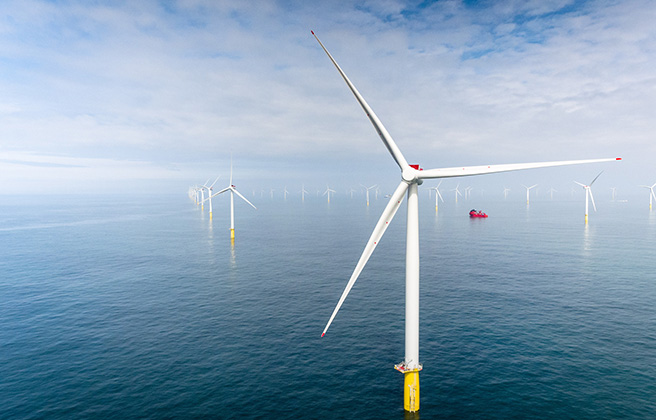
(125, 307)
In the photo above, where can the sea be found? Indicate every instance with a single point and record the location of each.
(141, 307)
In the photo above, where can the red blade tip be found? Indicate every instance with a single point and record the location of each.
(322, 334)
(618, 158)
(312, 32)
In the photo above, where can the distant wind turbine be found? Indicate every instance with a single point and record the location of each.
(551, 191)
(457, 192)
(505, 192)
(209, 193)
(437, 194)
(411, 177)
(327, 192)
(303, 192)
(528, 189)
(233, 191)
(588, 193)
(651, 194)
(367, 190)
(468, 192)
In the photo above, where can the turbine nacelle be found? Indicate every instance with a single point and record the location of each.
(411, 174)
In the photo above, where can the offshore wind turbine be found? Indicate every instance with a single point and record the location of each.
(468, 192)
(303, 192)
(505, 192)
(551, 191)
(367, 189)
(327, 192)
(588, 192)
(651, 194)
(437, 194)
(209, 193)
(528, 189)
(233, 191)
(457, 192)
(411, 177)
(202, 194)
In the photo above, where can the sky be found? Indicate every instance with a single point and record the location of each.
(156, 96)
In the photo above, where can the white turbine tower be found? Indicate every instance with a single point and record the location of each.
(367, 189)
(303, 192)
(528, 189)
(233, 191)
(551, 191)
(457, 192)
(612, 196)
(327, 192)
(651, 194)
(505, 192)
(437, 194)
(202, 194)
(209, 193)
(588, 193)
(412, 176)
(468, 192)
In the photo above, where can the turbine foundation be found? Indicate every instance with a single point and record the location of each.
(410, 387)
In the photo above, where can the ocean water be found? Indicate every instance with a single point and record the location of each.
(132, 307)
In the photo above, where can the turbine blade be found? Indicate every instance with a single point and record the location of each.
(596, 178)
(217, 178)
(380, 129)
(242, 197)
(439, 195)
(379, 230)
(583, 185)
(592, 199)
(490, 169)
(220, 192)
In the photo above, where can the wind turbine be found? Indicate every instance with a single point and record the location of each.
(551, 191)
(202, 194)
(285, 192)
(327, 192)
(303, 192)
(209, 193)
(233, 191)
(468, 192)
(588, 192)
(528, 189)
(367, 189)
(457, 192)
(505, 192)
(411, 177)
(437, 194)
(612, 197)
(651, 193)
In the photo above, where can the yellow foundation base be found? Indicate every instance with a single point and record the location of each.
(210, 215)
(411, 391)
(232, 234)
(410, 387)
(586, 219)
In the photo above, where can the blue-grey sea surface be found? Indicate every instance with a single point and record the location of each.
(124, 307)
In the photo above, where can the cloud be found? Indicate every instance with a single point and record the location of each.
(177, 83)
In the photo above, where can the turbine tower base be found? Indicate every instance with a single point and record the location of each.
(410, 387)
(232, 234)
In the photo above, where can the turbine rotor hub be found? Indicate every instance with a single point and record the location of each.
(410, 174)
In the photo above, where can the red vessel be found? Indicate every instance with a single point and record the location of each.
(476, 213)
